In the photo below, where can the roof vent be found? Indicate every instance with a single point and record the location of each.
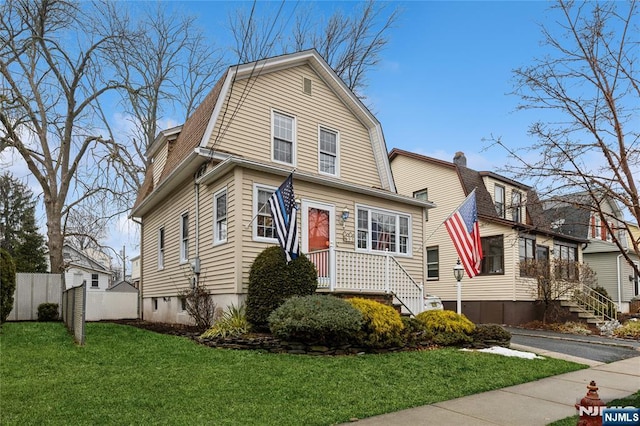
(306, 85)
(459, 159)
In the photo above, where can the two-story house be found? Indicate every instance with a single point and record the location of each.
(577, 215)
(504, 291)
(204, 203)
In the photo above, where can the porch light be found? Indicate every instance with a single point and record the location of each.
(345, 215)
(458, 273)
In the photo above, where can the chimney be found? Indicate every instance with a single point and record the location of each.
(459, 159)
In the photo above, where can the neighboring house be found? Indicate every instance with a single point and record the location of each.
(502, 292)
(135, 271)
(203, 205)
(80, 267)
(574, 214)
(123, 287)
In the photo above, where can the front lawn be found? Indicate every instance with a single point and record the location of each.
(125, 375)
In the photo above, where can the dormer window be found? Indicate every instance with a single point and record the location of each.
(516, 209)
(498, 198)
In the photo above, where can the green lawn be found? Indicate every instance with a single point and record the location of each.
(125, 375)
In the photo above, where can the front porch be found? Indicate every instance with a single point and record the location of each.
(348, 271)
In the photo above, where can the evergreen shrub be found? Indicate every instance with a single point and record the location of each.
(383, 326)
(7, 284)
(487, 335)
(272, 281)
(316, 319)
(448, 327)
(48, 312)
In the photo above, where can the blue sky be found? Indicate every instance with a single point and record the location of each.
(442, 82)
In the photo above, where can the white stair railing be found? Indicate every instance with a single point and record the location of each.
(347, 270)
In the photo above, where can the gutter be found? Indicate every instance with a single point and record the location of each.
(230, 161)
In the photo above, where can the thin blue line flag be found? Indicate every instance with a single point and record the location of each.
(285, 218)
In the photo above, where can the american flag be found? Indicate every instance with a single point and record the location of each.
(285, 219)
(464, 231)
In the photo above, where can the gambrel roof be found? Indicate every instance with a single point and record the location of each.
(190, 149)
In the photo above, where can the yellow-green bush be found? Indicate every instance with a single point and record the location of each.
(383, 326)
(630, 329)
(448, 327)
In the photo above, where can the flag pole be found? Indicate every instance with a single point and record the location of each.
(452, 213)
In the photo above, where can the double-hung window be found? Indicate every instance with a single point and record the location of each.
(161, 248)
(527, 249)
(383, 231)
(284, 133)
(433, 263)
(263, 229)
(94, 281)
(328, 151)
(493, 255)
(220, 216)
(498, 198)
(184, 238)
(566, 261)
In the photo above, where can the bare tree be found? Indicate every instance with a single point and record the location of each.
(53, 77)
(351, 44)
(84, 228)
(168, 66)
(589, 80)
(556, 281)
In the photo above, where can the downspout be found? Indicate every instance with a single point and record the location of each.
(195, 264)
(140, 310)
(620, 280)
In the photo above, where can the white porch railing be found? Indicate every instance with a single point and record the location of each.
(347, 270)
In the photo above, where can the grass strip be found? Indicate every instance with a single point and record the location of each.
(125, 375)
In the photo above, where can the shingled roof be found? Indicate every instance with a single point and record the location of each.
(189, 138)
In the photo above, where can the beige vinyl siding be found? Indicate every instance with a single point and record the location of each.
(340, 199)
(217, 261)
(159, 160)
(247, 131)
(175, 275)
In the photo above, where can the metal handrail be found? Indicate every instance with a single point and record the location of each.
(602, 306)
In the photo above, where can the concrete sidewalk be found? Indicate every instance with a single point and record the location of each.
(535, 403)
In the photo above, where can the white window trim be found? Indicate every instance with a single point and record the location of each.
(254, 233)
(294, 143)
(161, 250)
(398, 214)
(183, 258)
(216, 238)
(337, 133)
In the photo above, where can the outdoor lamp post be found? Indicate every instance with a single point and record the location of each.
(458, 273)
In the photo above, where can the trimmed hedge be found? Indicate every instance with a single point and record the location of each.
(316, 319)
(48, 312)
(383, 326)
(448, 328)
(272, 281)
(487, 335)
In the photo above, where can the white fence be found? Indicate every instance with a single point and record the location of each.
(34, 289)
(111, 305)
(31, 291)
